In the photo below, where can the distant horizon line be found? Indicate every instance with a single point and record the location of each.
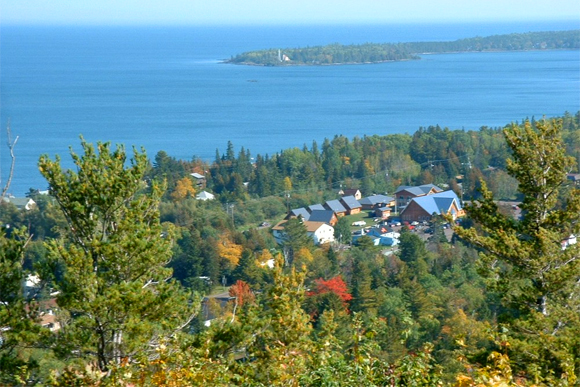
(286, 23)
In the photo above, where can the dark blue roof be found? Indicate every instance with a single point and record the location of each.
(321, 216)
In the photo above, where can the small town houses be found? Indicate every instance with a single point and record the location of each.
(415, 203)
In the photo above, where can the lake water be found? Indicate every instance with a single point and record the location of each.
(164, 88)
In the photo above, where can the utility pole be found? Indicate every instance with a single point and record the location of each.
(230, 209)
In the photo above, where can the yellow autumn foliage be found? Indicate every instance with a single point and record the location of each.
(263, 258)
(229, 250)
(303, 257)
(183, 189)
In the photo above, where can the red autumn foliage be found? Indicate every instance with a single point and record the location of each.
(334, 285)
(241, 290)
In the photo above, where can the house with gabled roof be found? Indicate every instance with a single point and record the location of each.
(382, 212)
(405, 193)
(352, 192)
(320, 232)
(204, 195)
(376, 201)
(424, 207)
(200, 180)
(20, 203)
(315, 207)
(336, 207)
(298, 212)
(326, 216)
(351, 204)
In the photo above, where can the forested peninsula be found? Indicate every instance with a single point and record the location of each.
(335, 54)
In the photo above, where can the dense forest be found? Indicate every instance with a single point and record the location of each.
(129, 265)
(385, 52)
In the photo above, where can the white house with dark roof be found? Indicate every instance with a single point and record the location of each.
(320, 232)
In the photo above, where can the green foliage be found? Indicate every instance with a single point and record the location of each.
(414, 312)
(364, 298)
(376, 53)
(18, 314)
(342, 230)
(524, 260)
(115, 285)
(295, 238)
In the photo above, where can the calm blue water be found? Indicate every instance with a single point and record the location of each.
(164, 88)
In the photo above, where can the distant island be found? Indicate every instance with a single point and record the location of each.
(335, 54)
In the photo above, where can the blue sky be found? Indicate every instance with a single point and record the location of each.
(281, 12)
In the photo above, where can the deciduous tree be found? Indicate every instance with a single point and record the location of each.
(183, 189)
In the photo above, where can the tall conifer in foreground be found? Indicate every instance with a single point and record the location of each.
(524, 259)
(112, 259)
(18, 313)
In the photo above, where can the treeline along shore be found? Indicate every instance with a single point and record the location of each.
(335, 54)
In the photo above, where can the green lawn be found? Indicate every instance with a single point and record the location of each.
(363, 215)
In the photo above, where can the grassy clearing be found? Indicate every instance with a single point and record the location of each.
(363, 215)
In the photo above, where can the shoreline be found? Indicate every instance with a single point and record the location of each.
(228, 62)
(315, 64)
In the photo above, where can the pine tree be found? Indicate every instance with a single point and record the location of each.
(364, 297)
(115, 286)
(295, 238)
(18, 325)
(342, 230)
(524, 259)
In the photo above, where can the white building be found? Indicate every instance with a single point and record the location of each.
(204, 195)
(571, 240)
(320, 232)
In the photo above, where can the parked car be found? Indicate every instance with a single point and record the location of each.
(359, 223)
